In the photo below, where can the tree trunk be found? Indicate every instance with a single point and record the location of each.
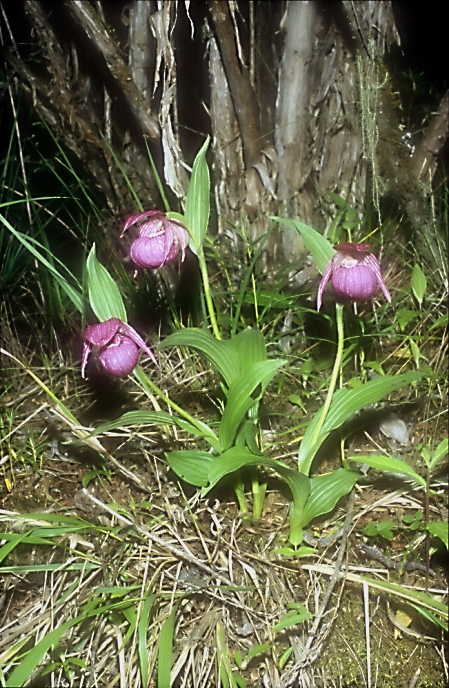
(300, 104)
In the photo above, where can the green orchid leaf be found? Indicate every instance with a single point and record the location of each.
(178, 216)
(192, 465)
(344, 404)
(202, 431)
(391, 465)
(243, 393)
(197, 208)
(239, 457)
(439, 529)
(414, 596)
(429, 616)
(318, 246)
(419, 283)
(104, 295)
(220, 354)
(153, 418)
(133, 418)
(439, 453)
(250, 347)
(250, 435)
(326, 490)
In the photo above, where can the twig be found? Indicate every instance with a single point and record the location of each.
(179, 553)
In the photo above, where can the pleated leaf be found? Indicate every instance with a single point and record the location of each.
(390, 465)
(318, 246)
(326, 490)
(192, 465)
(243, 393)
(104, 295)
(197, 208)
(239, 457)
(154, 418)
(344, 404)
(250, 347)
(219, 353)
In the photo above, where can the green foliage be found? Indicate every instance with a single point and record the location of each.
(73, 292)
(439, 530)
(440, 453)
(390, 464)
(166, 649)
(413, 521)
(383, 529)
(318, 246)
(344, 404)
(198, 200)
(419, 283)
(104, 295)
(294, 616)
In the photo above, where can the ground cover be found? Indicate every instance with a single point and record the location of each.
(111, 561)
(126, 563)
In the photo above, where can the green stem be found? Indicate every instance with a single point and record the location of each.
(258, 491)
(206, 285)
(148, 385)
(335, 373)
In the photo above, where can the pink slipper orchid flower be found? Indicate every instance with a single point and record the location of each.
(354, 273)
(159, 239)
(119, 347)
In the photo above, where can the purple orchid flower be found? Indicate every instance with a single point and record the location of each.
(355, 274)
(118, 344)
(159, 239)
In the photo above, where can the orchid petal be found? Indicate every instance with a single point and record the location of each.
(182, 236)
(355, 273)
(119, 358)
(137, 339)
(132, 219)
(151, 228)
(118, 344)
(324, 281)
(150, 252)
(175, 236)
(362, 248)
(87, 348)
(102, 333)
(357, 283)
(372, 262)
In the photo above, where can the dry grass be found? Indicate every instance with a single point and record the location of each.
(140, 555)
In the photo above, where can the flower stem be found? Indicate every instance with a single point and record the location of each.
(335, 373)
(206, 285)
(202, 428)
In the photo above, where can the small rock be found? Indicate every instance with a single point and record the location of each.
(395, 429)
